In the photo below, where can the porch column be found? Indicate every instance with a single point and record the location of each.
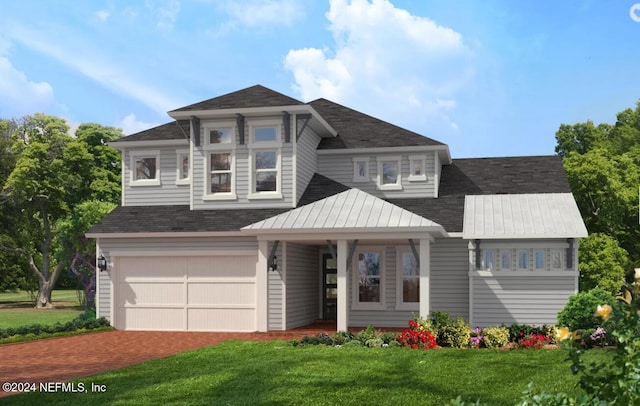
(343, 297)
(262, 286)
(425, 271)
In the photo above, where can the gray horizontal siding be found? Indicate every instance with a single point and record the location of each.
(275, 293)
(168, 193)
(208, 244)
(339, 167)
(306, 160)
(450, 277)
(302, 285)
(520, 299)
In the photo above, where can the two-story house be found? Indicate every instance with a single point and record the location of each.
(254, 211)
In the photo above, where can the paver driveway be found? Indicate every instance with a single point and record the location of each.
(61, 359)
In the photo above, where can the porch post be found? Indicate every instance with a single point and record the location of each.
(425, 271)
(343, 312)
(262, 286)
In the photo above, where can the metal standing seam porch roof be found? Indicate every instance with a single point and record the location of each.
(540, 215)
(349, 211)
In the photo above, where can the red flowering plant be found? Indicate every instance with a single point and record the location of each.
(417, 336)
(534, 340)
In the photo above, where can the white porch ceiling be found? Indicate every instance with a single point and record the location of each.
(352, 210)
(546, 215)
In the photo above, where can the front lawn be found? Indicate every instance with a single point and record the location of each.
(46, 317)
(68, 296)
(267, 373)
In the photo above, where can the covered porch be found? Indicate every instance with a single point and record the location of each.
(372, 244)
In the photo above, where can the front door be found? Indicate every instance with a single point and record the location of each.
(329, 288)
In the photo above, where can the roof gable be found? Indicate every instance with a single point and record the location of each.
(254, 96)
(359, 130)
(175, 130)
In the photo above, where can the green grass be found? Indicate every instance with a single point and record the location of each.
(23, 317)
(64, 295)
(268, 373)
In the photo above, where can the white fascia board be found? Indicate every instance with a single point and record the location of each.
(322, 121)
(382, 150)
(456, 234)
(122, 145)
(349, 233)
(168, 234)
(522, 236)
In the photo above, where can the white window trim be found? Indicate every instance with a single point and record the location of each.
(253, 124)
(389, 186)
(356, 304)
(356, 173)
(518, 253)
(219, 125)
(417, 178)
(132, 168)
(179, 155)
(207, 196)
(400, 303)
(253, 195)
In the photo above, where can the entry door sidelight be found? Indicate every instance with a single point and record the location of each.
(329, 288)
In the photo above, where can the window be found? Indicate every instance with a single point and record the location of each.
(505, 260)
(265, 134)
(145, 170)
(389, 173)
(417, 168)
(265, 177)
(539, 259)
(488, 260)
(221, 182)
(182, 168)
(408, 280)
(556, 260)
(361, 169)
(219, 136)
(523, 260)
(370, 285)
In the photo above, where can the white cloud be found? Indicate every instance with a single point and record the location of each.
(130, 124)
(21, 96)
(165, 12)
(92, 65)
(258, 13)
(385, 62)
(102, 15)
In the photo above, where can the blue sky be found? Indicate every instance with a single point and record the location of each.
(490, 78)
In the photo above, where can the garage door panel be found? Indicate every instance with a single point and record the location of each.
(204, 293)
(160, 293)
(221, 293)
(141, 318)
(228, 319)
(222, 267)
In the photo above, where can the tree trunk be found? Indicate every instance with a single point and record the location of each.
(44, 295)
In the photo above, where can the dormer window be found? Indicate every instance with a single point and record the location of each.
(145, 170)
(183, 176)
(219, 136)
(265, 134)
(389, 173)
(417, 168)
(264, 155)
(220, 143)
(361, 169)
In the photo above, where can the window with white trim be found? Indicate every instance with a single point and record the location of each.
(265, 132)
(368, 292)
(408, 286)
(361, 169)
(488, 260)
(417, 166)
(265, 176)
(523, 260)
(555, 257)
(183, 175)
(505, 260)
(265, 156)
(145, 168)
(219, 136)
(220, 176)
(390, 173)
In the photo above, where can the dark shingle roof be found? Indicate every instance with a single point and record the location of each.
(483, 176)
(320, 187)
(254, 96)
(175, 130)
(358, 130)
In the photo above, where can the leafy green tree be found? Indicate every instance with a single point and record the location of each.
(603, 263)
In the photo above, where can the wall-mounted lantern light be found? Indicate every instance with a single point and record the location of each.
(273, 266)
(102, 263)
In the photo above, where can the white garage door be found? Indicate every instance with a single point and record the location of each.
(204, 293)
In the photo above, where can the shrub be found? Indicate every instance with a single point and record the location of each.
(417, 339)
(534, 340)
(456, 334)
(495, 337)
(367, 334)
(518, 332)
(353, 343)
(319, 339)
(578, 312)
(374, 343)
(388, 336)
(341, 337)
(37, 329)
